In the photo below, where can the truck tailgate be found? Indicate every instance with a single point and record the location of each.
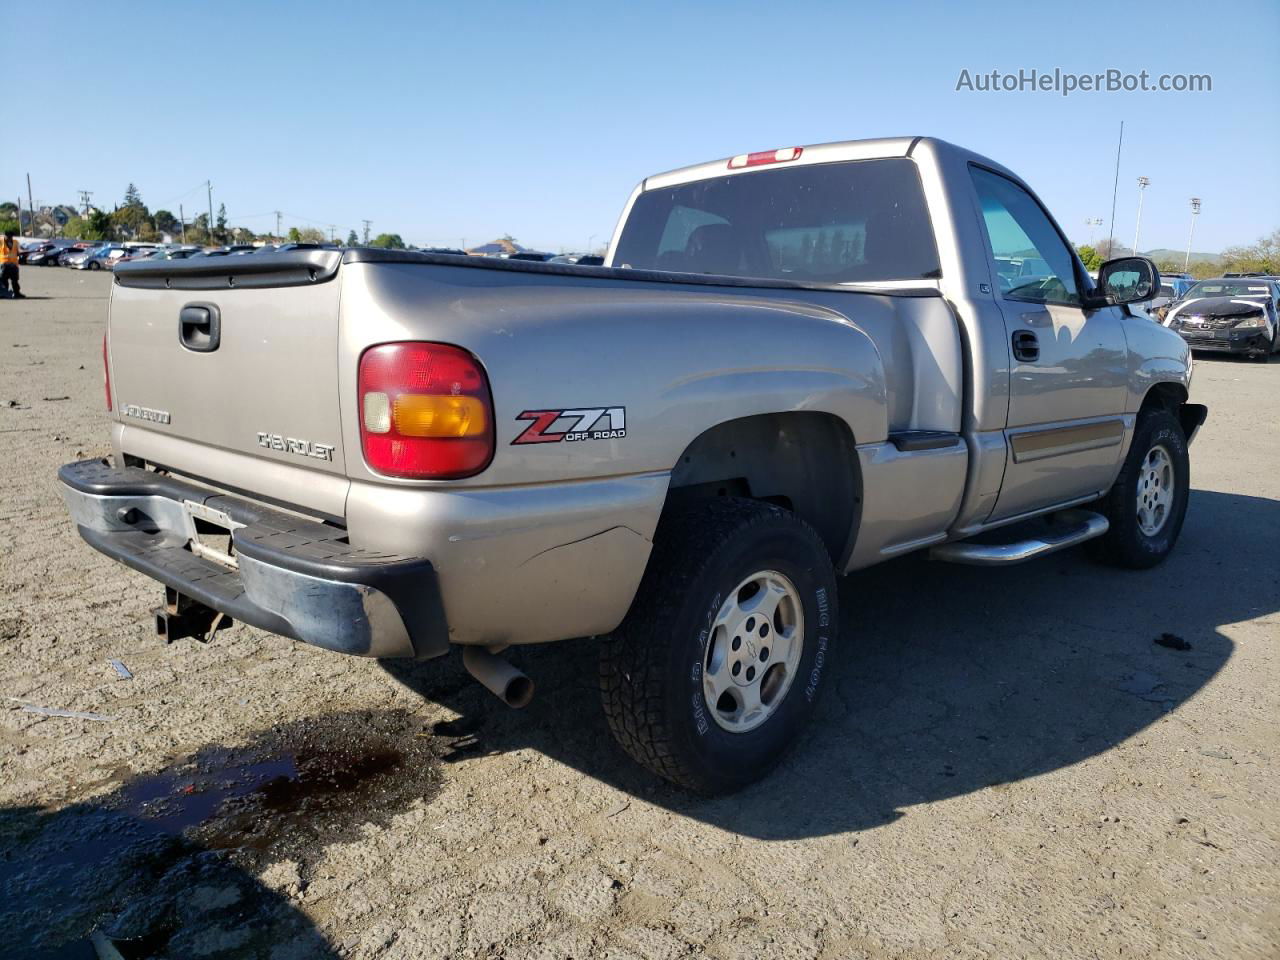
(259, 381)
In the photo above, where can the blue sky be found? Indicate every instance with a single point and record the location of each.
(467, 120)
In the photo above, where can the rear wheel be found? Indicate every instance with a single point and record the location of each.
(94, 265)
(720, 660)
(1148, 502)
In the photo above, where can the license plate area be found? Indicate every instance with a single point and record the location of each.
(210, 533)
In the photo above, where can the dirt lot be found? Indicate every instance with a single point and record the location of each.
(1007, 766)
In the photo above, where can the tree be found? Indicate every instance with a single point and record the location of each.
(295, 235)
(1110, 249)
(11, 225)
(1090, 257)
(132, 198)
(311, 235)
(166, 222)
(1262, 256)
(352, 239)
(388, 241)
(98, 226)
(198, 230)
(220, 225)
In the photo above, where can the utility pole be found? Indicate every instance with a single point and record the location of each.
(1115, 189)
(277, 224)
(209, 186)
(1137, 230)
(1195, 212)
(182, 219)
(31, 209)
(366, 231)
(331, 229)
(84, 199)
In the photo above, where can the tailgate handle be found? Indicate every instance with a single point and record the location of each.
(200, 327)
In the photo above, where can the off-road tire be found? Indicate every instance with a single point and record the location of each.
(651, 667)
(1125, 544)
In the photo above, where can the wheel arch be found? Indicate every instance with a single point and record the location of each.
(805, 461)
(1173, 397)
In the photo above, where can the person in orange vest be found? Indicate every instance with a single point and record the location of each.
(9, 264)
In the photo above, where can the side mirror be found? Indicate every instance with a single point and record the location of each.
(1126, 280)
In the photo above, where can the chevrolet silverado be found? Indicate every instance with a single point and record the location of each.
(793, 364)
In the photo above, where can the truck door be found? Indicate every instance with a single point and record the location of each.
(1069, 366)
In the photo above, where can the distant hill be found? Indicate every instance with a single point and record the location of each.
(1163, 253)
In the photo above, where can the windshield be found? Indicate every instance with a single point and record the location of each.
(1229, 288)
(859, 221)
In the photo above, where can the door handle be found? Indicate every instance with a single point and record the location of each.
(200, 327)
(1026, 346)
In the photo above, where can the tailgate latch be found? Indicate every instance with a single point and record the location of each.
(200, 327)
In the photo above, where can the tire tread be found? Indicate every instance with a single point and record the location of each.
(632, 682)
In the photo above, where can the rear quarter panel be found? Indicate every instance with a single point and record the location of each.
(679, 360)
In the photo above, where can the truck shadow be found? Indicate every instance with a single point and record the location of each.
(947, 679)
(166, 863)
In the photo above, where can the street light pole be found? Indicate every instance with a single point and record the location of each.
(1195, 212)
(1093, 223)
(1137, 231)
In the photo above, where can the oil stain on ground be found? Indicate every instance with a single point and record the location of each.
(164, 864)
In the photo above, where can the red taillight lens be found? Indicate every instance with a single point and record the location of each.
(106, 372)
(425, 411)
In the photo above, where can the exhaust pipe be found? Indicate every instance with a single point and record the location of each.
(504, 681)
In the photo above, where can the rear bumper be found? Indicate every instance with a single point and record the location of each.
(295, 577)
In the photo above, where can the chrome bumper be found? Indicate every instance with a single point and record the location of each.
(285, 574)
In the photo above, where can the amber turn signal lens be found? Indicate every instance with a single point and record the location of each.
(421, 415)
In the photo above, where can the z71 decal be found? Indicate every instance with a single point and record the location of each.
(583, 423)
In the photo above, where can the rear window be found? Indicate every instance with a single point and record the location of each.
(860, 221)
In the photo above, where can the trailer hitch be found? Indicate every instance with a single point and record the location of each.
(182, 617)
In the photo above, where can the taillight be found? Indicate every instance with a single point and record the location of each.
(106, 372)
(425, 411)
(765, 156)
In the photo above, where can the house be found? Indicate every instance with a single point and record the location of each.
(502, 247)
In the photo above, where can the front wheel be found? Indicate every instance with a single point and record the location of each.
(95, 266)
(1148, 502)
(722, 656)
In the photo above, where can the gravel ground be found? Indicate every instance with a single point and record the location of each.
(1007, 765)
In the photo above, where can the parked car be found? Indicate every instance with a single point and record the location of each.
(535, 256)
(1172, 289)
(581, 259)
(26, 249)
(1230, 315)
(281, 248)
(100, 258)
(485, 453)
(46, 255)
(227, 251)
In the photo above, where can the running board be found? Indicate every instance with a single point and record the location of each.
(1082, 525)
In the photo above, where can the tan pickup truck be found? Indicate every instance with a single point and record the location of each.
(794, 364)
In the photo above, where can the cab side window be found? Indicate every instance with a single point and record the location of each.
(1033, 265)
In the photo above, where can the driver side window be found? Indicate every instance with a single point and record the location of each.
(1033, 265)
